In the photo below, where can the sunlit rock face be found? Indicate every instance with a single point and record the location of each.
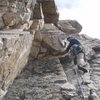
(14, 51)
(34, 39)
(15, 41)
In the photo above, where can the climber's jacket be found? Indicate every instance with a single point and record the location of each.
(75, 46)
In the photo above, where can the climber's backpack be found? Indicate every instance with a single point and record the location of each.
(76, 49)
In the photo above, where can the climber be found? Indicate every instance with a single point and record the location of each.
(77, 51)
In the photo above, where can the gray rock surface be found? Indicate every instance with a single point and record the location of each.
(51, 14)
(40, 80)
(51, 75)
(45, 77)
(69, 26)
(13, 55)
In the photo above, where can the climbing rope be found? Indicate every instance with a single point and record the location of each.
(79, 83)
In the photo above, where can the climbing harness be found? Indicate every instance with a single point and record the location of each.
(76, 49)
(79, 83)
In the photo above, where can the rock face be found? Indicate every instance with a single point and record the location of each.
(69, 26)
(20, 24)
(14, 53)
(50, 11)
(15, 43)
(48, 85)
(32, 37)
(51, 40)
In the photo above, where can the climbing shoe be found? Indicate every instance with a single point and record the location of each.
(82, 68)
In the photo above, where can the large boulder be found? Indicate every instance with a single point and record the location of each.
(52, 40)
(69, 26)
(11, 19)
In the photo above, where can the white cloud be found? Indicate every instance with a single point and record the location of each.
(67, 4)
(86, 12)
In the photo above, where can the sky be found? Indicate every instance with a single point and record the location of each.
(86, 12)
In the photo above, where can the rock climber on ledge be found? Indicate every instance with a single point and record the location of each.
(77, 52)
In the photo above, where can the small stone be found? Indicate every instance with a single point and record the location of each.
(68, 86)
(91, 86)
(86, 78)
(68, 90)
